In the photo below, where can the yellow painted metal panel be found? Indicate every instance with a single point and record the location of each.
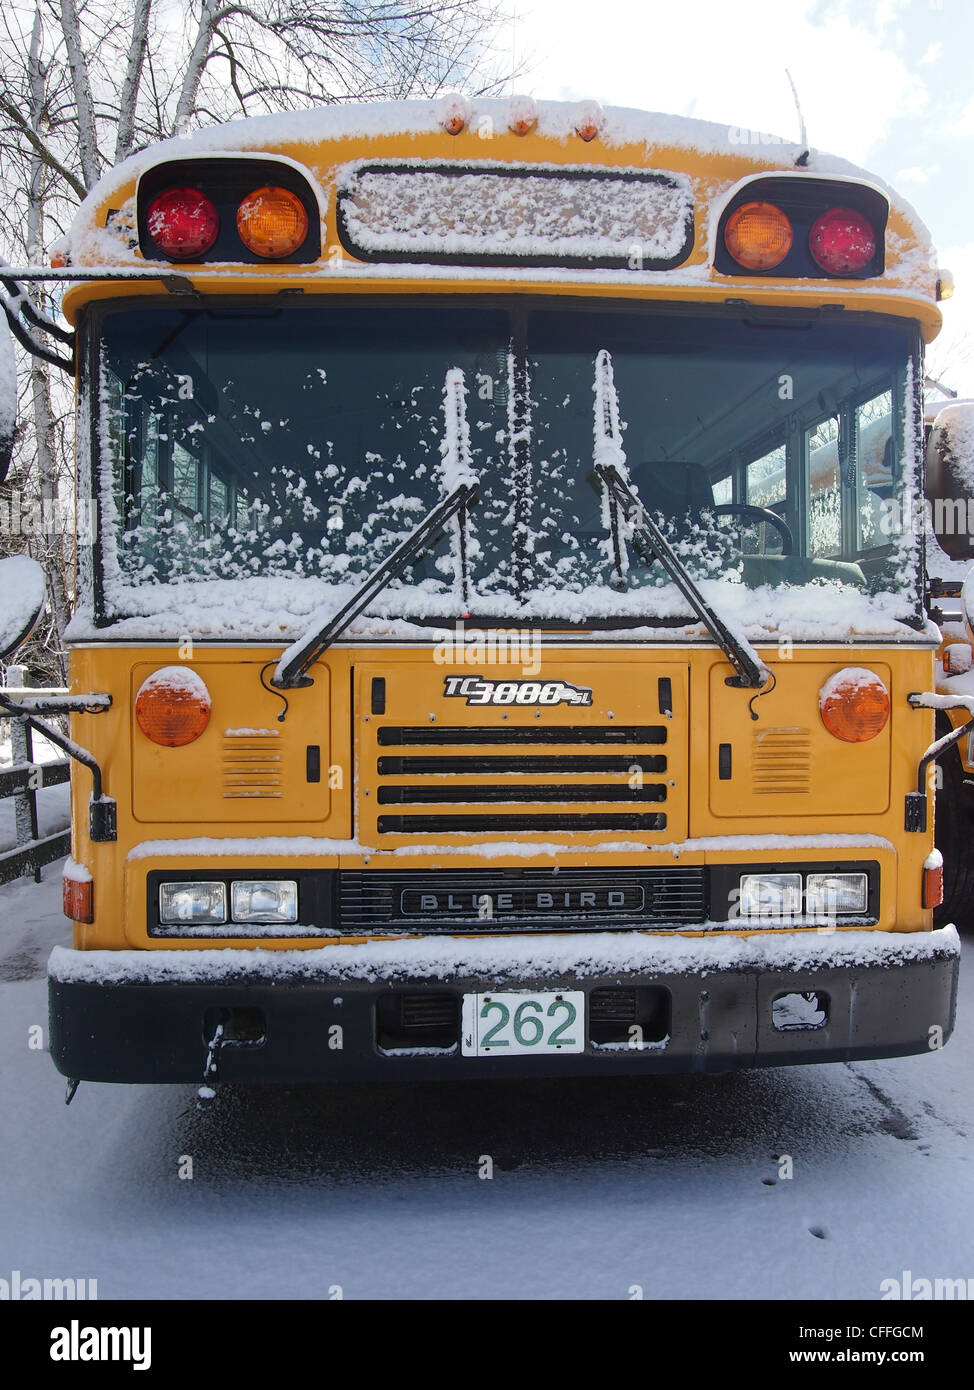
(784, 762)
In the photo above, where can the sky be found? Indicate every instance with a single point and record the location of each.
(888, 84)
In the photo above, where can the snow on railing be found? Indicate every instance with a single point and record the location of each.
(21, 781)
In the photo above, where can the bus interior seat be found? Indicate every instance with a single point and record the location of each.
(797, 569)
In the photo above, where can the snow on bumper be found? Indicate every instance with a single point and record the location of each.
(727, 1001)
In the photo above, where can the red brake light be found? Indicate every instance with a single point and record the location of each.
(842, 241)
(183, 223)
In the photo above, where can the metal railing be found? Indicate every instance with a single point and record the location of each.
(22, 781)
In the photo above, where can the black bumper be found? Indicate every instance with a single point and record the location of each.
(286, 1025)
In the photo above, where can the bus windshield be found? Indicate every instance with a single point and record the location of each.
(294, 445)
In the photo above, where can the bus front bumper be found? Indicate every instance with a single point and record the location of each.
(388, 1010)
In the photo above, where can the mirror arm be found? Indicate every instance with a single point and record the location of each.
(20, 304)
(102, 817)
(65, 704)
(31, 345)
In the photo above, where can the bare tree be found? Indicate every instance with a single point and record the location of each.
(83, 83)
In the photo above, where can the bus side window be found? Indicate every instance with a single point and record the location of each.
(723, 490)
(219, 503)
(874, 475)
(766, 479)
(185, 479)
(824, 489)
(766, 485)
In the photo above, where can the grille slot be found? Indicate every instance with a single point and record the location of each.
(252, 766)
(473, 825)
(628, 1017)
(523, 762)
(781, 762)
(415, 1021)
(570, 791)
(440, 734)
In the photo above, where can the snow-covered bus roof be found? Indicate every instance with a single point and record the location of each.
(710, 162)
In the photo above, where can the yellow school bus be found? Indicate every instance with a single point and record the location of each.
(502, 644)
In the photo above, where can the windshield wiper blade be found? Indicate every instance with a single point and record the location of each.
(295, 662)
(751, 670)
(610, 453)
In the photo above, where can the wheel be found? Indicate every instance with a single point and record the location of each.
(954, 836)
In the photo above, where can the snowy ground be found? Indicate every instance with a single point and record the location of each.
(669, 1184)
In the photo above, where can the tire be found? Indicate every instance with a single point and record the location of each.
(954, 837)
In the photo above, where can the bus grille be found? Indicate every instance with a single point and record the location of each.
(489, 788)
(505, 899)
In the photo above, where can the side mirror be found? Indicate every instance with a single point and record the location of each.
(8, 396)
(949, 482)
(23, 593)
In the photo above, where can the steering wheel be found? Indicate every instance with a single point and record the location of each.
(745, 509)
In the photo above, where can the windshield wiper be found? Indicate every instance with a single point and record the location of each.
(609, 453)
(751, 670)
(610, 465)
(291, 673)
(457, 469)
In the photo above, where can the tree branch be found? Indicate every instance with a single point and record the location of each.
(129, 96)
(39, 145)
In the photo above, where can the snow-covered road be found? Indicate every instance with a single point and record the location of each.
(672, 1185)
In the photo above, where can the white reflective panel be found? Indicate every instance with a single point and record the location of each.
(546, 214)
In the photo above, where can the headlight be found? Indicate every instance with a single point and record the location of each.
(192, 902)
(828, 894)
(264, 900)
(771, 895)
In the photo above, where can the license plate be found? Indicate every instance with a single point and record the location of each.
(522, 1025)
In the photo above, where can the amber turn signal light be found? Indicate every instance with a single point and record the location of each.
(78, 899)
(758, 236)
(589, 120)
(454, 113)
(854, 704)
(272, 222)
(933, 879)
(522, 115)
(172, 707)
